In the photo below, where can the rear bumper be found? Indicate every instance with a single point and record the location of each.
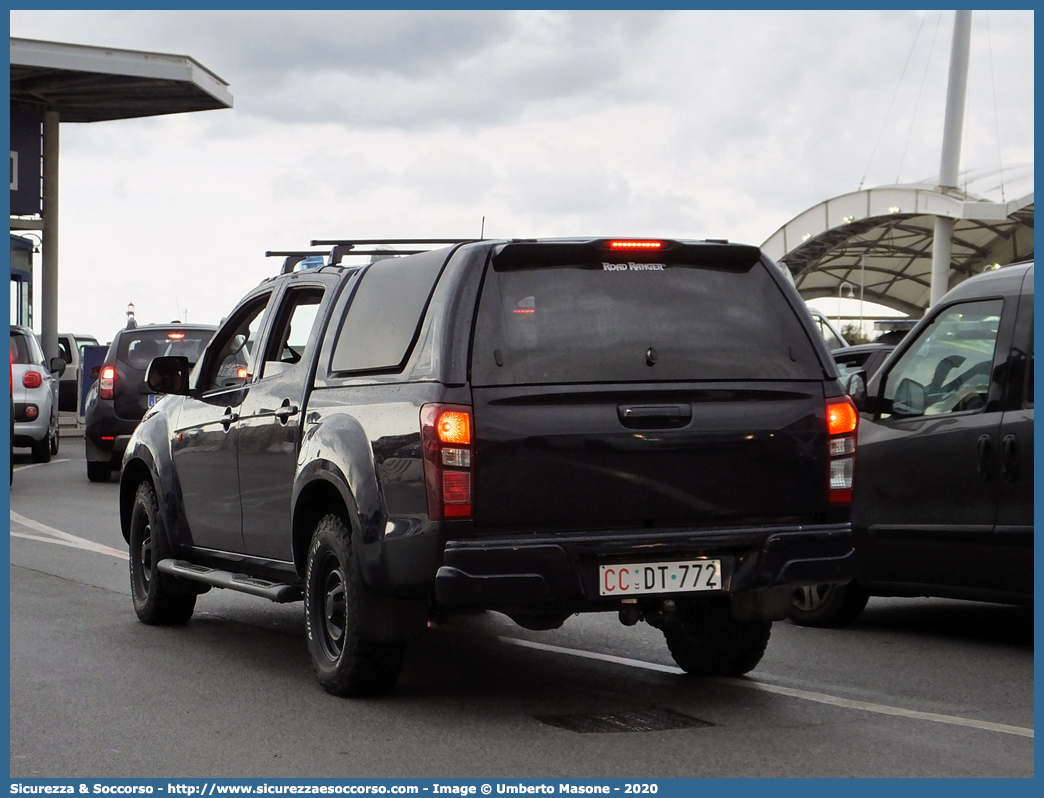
(100, 450)
(563, 569)
(29, 431)
(106, 436)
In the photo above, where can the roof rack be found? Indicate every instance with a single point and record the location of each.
(293, 257)
(343, 247)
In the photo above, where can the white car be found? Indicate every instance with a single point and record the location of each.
(34, 394)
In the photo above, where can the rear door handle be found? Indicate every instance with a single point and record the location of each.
(651, 416)
(229, 418)
(1010, 457)
(985, 457)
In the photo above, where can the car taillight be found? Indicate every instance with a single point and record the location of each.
(449, 467)
(32, 379)
(106, 381)
(842, 425)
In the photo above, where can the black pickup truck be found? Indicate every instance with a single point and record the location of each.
(536, 427)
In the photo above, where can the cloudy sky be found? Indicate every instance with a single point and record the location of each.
(408, 124)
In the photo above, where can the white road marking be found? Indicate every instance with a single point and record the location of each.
(62, 538)
(750, 684)
(35, 465)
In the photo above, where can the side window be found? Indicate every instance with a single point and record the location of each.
(831, 340)
(64, 351)
(289, 339)
(949, 368)
(229, 359)
(35, 351)
(386, 313)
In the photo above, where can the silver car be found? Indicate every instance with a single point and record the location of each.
(34, 394)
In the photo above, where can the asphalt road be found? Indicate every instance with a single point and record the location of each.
(916, 687)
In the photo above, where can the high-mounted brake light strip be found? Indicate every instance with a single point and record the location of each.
(635, 244)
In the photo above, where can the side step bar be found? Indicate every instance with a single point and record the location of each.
(274, 591)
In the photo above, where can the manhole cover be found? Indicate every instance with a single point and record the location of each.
(643, 720)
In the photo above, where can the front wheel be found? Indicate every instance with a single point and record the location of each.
(158, 601)
(705, 640)
(347, 664)
(827, 606)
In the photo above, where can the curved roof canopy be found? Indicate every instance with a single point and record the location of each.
(93, 84)
(884, 236)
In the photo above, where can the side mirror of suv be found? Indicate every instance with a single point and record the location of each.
(855, 387)
(57, 366)
(168, 375)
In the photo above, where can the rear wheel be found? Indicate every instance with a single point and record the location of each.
(98, 472)
(705, 640)
(347, 664)
(54, 442)
(828, 606)
(159, 600)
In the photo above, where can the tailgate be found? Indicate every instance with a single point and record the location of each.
(598, 457)
(674, 386)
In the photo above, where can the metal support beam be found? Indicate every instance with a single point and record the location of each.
(49, 267)
(956, 92)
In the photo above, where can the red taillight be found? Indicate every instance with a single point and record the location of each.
(842, 418)
(106, 381)
(454, 426)
(32, 379)
(448, 463)
(635, 244)
(842, 426)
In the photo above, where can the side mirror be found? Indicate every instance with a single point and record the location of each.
(57, 366)
(95, 372)
(168, 375)
(909, 398)
(855, 387)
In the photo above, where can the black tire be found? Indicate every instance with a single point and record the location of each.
(827, 606)
(98, 472)
(705, 640)
(159, 600)
(55, 442)
(42, 451)
(347, 665)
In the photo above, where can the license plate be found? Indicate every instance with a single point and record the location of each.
(152, 399)
(635, 579)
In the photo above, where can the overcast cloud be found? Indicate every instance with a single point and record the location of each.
(406, 124)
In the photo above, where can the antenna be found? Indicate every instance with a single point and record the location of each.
(482, 232)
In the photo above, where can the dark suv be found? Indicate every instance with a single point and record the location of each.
(119, 397)
(648, 427)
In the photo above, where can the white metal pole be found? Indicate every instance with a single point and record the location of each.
(949, 166)
(49, 267)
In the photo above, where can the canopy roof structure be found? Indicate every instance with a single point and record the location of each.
(79, 83)
(878, 241)
(94, 84)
